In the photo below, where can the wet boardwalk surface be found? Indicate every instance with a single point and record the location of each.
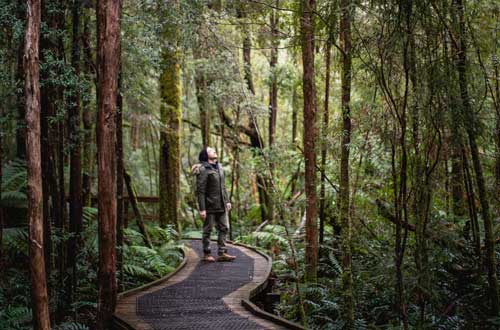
(201, 295)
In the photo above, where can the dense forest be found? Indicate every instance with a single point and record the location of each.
(360, 141)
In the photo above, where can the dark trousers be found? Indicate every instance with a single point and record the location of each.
(221, 224)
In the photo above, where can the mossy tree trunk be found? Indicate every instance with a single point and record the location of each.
(170, 115)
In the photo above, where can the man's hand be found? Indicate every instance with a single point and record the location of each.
(228, 206)
(203, 214)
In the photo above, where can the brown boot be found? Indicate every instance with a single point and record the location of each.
(208, 258)
(225, 257)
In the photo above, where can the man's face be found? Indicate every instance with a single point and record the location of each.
(212, 155)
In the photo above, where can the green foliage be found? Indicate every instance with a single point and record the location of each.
(71, 326)
(14, 184)
(15, 318)
(142, 264)
(16, 242)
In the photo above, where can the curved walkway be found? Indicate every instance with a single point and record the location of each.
(200, 295)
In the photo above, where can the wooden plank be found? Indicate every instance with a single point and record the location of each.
(127, 304)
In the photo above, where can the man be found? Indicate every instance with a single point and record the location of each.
(213, 203)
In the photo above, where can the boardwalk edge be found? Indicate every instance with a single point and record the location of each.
(118, 322)
(254, 309)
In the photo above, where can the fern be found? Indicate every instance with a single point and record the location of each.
(133, 237)
(16, 240)
(14, 184)
(14, 199)
(137, 271)
(159, 234)
(269, 238)
(89, 214)
(14, 317)
(71, 326)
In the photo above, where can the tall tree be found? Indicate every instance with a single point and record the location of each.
(75, 179)
(310, 135)
(108, 47)
(345, 220)
(201, 81)
(471, 131)
(20, 98)
(1, 180)
(273, 61)
(119, 177)
(325, 124)
(252, 130)
(170, 113)
(41, 318)
(88, 72)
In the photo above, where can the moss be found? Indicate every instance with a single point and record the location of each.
(170, 115)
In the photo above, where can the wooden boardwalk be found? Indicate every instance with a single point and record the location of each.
(200, 295)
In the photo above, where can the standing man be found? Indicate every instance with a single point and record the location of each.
(213, 203)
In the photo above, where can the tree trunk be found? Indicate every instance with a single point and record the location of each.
(497, 137)
(75, 179)
(252, 130)
(324, 135)
(41, 318)
(108, 48)
(421, 178)
(20, 97)
(135, 206)
(469, 123)
(309, 138)
(50, 97)
(119, 178)
(62, 216)
(202, 98)
(1, 177)
(471, 201)
(273, 91)
(170, 113)
(295, 110)
(347, 277)
(87, 116)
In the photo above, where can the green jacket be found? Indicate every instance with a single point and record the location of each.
(210, 188)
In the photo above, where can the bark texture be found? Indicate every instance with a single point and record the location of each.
(309, 138)
(75, 179)
(41, 318)
(108, 47)
(345, 220)
(170, 113)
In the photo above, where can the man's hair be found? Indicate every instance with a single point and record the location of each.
(203, 155)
